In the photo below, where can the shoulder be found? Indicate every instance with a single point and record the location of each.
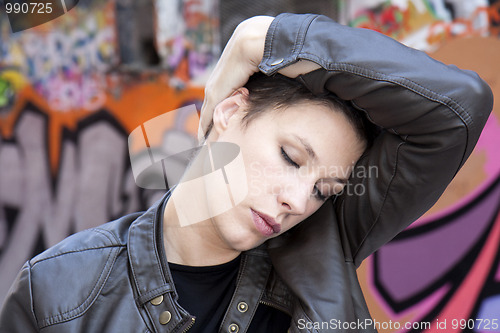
(108, 235)
(66, 278)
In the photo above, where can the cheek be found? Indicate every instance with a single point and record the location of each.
(266, 175)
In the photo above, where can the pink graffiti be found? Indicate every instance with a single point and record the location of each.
(80, 92)
(388, 19)
(488, 142)
(67, 67)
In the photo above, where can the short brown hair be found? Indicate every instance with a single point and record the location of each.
(278, 92)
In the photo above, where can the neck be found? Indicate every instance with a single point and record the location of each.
(190, 235)
(197, 244)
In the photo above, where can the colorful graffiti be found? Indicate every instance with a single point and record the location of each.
(11, 81)
(454, 285)
(394, 20)
(387, 19)
(426, 24)
(460, 27)
(65, 116)
(89, 183)
(444, 269)
(66, 62)
(187, 37)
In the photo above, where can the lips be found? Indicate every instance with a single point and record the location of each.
(266, 225)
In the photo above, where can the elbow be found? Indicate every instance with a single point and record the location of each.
(478, 106)
(480, 99)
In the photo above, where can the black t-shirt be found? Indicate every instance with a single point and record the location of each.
(205, 292)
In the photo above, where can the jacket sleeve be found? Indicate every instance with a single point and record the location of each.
(16, 314)
(432, 114)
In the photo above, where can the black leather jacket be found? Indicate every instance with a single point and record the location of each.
(115, 279)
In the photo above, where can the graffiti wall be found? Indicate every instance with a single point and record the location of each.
(67, 107)
(66, 111)
(187, 37)
(65, 60)
(425, 24)
(443, 273)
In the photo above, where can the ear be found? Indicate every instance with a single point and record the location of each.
(228, 108)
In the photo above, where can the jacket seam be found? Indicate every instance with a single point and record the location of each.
(155, 248)
(106, 233)
(75, 251)
(375, 222)
(236, 292)
(129, 253)
(296, 47)
(299, 40)
(146, 297)
(51, 320)
(445, 100)
(32, 300)
(400, 80)
(269, 41)
(165, 285)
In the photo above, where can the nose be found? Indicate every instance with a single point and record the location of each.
(293, 197)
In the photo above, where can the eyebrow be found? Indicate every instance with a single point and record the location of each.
(307, 147)
(312, 154)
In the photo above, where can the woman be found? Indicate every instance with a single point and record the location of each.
(260, 277)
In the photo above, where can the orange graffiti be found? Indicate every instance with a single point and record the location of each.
(137, 104)
(441, 31)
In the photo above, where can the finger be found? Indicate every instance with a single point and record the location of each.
(206, 112)
(201, 128)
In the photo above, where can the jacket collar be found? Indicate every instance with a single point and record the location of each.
(152, 278)
(146, 254)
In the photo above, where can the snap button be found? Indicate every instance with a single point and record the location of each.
(157, 300)
(277, 62)
(165, 317)
(242, 307)
(233, 328)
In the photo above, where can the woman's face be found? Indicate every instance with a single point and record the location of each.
(294, 160)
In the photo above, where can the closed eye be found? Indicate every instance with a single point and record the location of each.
(288, 159)
(318, 195)
(316, 192)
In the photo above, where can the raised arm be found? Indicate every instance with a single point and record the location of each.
(239, 60)
(433, 115)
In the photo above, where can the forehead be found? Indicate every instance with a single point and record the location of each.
(326, 130)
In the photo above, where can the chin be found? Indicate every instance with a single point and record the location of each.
(245, 242)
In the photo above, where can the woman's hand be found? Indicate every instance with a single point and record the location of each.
(239, 60)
